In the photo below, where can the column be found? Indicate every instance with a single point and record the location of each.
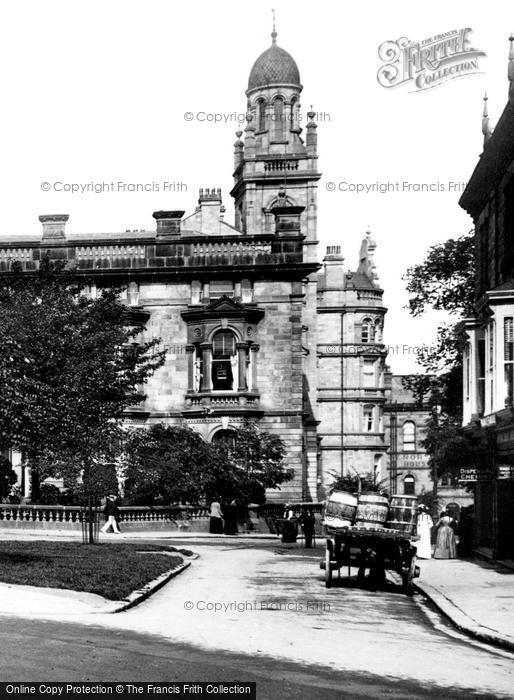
(207, 366)
(241, 362)
(190, 352)
(254, 348)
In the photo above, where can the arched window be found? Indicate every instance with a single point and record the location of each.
(197, 367)
(224, 438)
(223, 360)
(369, 419)
(409, 486)
(409, 436)
(293, 117)
(367, 331)
(261, 115)
(278, 119)
(378, 331)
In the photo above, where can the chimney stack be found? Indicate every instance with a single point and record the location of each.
(168, 223)
(209, 208)
(53, 227)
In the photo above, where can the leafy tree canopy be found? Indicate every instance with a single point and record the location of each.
(444, 281)
(7, 477)
(69, 366)
(173, 464)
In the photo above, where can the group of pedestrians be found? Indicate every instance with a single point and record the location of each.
(446, 545)
(223, 519)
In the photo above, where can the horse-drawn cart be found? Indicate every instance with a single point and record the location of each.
(371, 543)
(374, 549)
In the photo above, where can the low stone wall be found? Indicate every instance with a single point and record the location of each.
(262, 519)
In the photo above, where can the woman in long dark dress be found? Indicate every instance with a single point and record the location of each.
(445, 547)
(230, 513)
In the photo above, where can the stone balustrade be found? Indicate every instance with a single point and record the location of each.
(194, 518)
(28, 515)
(187, 251)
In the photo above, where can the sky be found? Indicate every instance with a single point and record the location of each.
(98, 91)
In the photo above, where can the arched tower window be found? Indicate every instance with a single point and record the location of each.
(261, 115)
(294, 122)
(278, 119)
(409, 436)
(224, 361)
(378, 330)
(367, 331)
(409, 488)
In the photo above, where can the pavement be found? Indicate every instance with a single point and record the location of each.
(476, 596)
(264, 604)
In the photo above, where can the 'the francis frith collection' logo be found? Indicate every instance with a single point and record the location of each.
(428, 63)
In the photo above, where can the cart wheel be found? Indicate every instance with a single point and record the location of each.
(328, 565)
(408, 576)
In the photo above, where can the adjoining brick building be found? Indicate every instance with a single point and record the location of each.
(409, 470)
(489, 354)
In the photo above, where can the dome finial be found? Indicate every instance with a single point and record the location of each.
(274, 32)
(486, 122)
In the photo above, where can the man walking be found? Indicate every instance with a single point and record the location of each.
(111, 512)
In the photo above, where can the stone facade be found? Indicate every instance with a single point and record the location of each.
(489, 354)
(255, 327)
(408, 469)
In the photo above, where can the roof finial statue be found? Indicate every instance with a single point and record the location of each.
(274, 32)
(366, 257)
(511, 67)
(486, 122)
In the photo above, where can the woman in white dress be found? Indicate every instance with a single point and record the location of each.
(424, 526)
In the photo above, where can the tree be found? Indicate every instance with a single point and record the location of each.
(444, 281)
(257, 463)
(69, 366)
(173, 464)
(169, 464)
(7, 477)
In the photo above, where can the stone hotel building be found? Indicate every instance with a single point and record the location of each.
(255, 327)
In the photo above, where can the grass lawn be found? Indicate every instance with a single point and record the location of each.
(111, 570)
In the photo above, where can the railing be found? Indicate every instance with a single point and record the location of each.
(189, 250)
(368, 294)
(110, 251)
(281, 164)
(56, 514)
(75, 514)
(228, 399)
(235, 251)
(9, 255)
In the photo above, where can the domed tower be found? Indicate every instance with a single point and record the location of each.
(273, 157)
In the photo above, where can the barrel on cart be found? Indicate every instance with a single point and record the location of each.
(340, 509)
(372, 510)
(403, 512)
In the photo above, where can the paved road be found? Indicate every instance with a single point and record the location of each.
(266, 610)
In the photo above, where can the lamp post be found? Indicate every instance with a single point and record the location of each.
(343, 311)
